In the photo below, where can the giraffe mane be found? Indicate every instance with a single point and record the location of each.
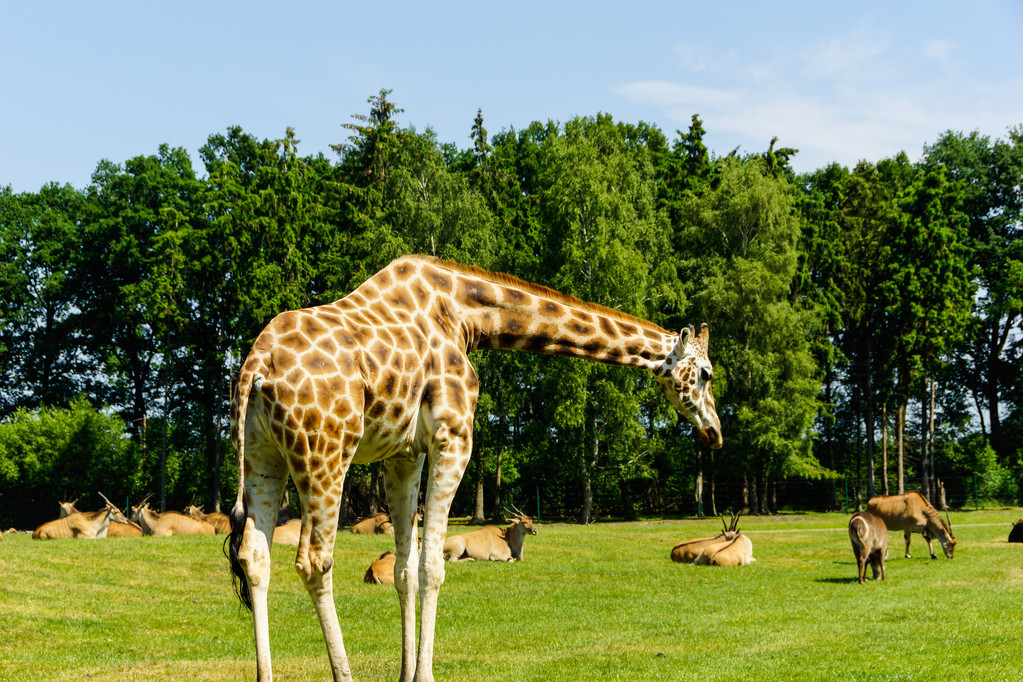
(541, 290)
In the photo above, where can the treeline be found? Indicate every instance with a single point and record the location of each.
(864, 322)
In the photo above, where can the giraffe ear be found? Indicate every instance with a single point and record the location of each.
(684, 337)
(704, 333)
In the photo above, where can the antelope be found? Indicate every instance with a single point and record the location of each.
(686, 552)
(287, 533)
(912, 513)
(380, 524)
(735, 552)
(490, 543)
(1016, 534)
(81, 524)
(168, 523)
(381, 571)
(220, 522)
(869, 537)
(118, 530)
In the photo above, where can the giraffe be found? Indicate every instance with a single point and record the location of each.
(383, 375)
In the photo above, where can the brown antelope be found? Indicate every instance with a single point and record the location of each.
(168, 523)
(379, 523)
(81, 524)
(869, 537)
(490, 543)
(117, 530)
(912, 513)
(381, 571)
(287, 533)
(735, 552)
(686, 552)
(220, 522)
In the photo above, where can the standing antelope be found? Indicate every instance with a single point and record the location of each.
(81, 524)
(168, 523)
(912, 513)
(384, 375)
(686, 552)
(490, 543)
(869, 537)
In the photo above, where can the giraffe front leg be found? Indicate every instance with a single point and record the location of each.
(401, 482)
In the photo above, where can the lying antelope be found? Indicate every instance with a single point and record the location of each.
(379, 523)
(490, 543)
(869, 537)
(912, 513)
(81, 524)
(686, 552)
(168, 523)
(287, 533)
(118, 530)
(735, 552)
(381, 571)
(220, 522)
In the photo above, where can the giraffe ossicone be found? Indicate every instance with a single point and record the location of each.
(383, 375)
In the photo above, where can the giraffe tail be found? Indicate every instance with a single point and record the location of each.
(239, 513)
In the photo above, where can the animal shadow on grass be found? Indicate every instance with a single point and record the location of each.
(837, 581)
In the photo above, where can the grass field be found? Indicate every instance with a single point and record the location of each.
(598, 602)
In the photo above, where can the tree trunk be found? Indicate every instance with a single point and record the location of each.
(900, 428)
(478, 513)
(884, 449)
(713, 500)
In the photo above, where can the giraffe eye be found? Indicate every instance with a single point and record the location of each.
(706, 374)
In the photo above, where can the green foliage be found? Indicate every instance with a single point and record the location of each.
(68, 453)
(834, 299)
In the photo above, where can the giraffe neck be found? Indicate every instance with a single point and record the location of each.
(501, 312)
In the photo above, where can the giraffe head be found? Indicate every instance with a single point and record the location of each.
(685, 378)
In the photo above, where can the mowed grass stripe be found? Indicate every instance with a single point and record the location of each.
(595, 602)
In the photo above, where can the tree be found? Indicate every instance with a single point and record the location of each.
(741, 237)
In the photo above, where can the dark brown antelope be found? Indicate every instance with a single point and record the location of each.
(912, 513)
(87, 525)
(869, 537)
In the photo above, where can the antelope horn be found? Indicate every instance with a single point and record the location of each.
(109, 503)
(518, 511)
(724, 526)
(144, 500)
(949, 517)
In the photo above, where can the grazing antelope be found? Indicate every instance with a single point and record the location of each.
(288, 533)
(384, 375)
(869, 537)
(686, 552)
(168, 523)
(381, 571)
(81, 524)
(490, 543)
(380, 524)
(912, 513)
(220, 522)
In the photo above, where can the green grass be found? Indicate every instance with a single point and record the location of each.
(596, 602)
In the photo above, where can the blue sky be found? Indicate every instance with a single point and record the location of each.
(80, 82)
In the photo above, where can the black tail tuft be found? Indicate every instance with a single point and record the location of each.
(239, 514)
